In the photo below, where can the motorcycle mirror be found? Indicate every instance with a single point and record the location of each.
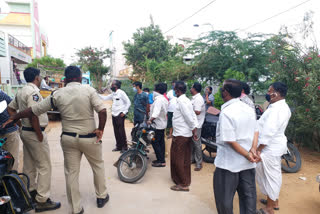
(4, 199)
(3, 106)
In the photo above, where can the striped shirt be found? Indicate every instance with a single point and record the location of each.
(4, 116)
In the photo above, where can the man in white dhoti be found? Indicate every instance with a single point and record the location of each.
(272, 145)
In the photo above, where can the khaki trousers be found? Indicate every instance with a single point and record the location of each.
(37, 164)
(12, 146)
(73, 148)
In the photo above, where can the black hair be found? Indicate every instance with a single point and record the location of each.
(72, 73)
(139, 84)
(117, 83)
(146, 89)
(161, 87)
(30, 74)
(281, 88)
(234, 87)
(173, 81)
(210, 88)
(181, 86)
(245, 87)
(197, 86)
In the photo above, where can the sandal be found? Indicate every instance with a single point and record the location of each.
(158, 164)
(264, 201)
(179, 188)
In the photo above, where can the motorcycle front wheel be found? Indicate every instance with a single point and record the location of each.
(208, 154)
(291, 162)
(132, 166)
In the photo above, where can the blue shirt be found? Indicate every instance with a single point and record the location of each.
(150, 98)
(4, 116)
(140, 106)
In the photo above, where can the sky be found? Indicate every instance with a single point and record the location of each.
(75, 24)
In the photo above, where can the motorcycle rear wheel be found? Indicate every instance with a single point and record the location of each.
(132, 166)
(291, 162)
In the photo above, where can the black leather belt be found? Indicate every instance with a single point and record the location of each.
(30, 129)
(72, 134)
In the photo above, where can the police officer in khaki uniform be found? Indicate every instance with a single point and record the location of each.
(76, 104)
(36, 152)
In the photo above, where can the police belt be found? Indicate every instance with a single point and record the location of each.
(72, 134)
(30, 129)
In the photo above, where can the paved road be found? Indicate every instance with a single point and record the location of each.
(150, 196)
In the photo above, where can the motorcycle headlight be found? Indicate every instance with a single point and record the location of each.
(150, 135)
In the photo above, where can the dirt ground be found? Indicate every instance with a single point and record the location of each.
(152, 193)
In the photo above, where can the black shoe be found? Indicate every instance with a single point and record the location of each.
(81, 212)
(102, 201)
(116, 150)
(33, 195)
(155, 161)
(46, 206)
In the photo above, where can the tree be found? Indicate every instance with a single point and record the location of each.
(147, 48)
(219, 51)
(298, 65)
(92, 59)
(50, 64)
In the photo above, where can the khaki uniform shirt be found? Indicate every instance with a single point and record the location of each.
(26, 97)
(76, 104)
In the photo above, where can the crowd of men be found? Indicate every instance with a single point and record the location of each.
(249, 151)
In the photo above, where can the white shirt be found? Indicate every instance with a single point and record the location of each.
(159, 111)
(199, 105)
(172, 101)
(184, 119)
(121, 102)
(272, 126)
(237, 123)
(44, 84)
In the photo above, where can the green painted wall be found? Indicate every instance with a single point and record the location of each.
(19, 8)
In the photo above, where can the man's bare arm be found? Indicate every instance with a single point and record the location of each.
(102, 119)
(16, 117)
(11, 112)
(102, 115)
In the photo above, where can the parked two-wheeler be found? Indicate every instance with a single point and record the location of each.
(132, 164)
(14, 192)
(291, 161)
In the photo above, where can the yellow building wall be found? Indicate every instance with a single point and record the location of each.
(16, 19)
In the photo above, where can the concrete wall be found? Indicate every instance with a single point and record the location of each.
(5, 68)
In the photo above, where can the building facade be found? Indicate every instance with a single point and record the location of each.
(22, 39)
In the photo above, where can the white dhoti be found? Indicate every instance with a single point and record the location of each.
(269, 176)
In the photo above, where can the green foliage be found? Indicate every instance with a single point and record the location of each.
(92, 59)
(220, 51)
(231, 74)
(153, 58)
(302, 75)
(50, 64)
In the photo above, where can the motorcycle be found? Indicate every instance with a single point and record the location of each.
(132, 164)
(290, 162)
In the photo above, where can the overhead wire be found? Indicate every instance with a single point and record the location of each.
(207, 5)
(267, 19)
